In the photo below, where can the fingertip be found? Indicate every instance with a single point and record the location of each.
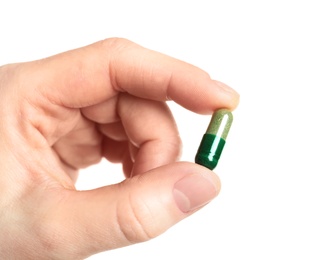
(231, 94)
(196, 189)
(212, 176)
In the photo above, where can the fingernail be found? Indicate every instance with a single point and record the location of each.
(225, 87)
(195, 191)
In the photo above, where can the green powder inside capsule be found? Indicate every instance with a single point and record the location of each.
(213, 141)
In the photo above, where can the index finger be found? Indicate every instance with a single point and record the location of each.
(95, 73)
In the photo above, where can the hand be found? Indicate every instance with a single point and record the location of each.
(66, 112)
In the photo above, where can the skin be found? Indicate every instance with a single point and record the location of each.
(67, 112)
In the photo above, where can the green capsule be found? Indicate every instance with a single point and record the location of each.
(213, 141)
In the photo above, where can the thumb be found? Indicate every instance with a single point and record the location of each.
(135, 210)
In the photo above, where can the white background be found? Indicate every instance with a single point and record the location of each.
(260, 48)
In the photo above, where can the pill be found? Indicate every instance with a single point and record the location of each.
(213, 141)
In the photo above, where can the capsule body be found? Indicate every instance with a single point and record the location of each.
(213, 141)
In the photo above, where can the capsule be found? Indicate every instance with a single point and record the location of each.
(212, 144)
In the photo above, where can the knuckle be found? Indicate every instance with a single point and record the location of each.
(176, 145)
(91, 159)
(7, 74)
(115, 43)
